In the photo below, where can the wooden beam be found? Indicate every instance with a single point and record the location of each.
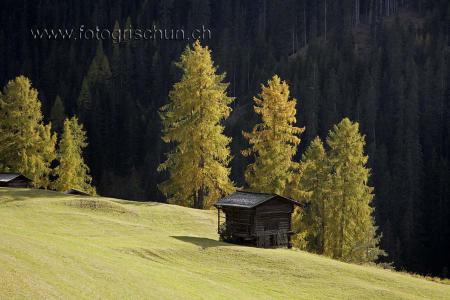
(218, 220)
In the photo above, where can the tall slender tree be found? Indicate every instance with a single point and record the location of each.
(314, 185)
(27, 145)
(57, 115)
(273, 143)
(96, 112)
(352, 231)
(72, 172)
(97, 78)
(192, 121)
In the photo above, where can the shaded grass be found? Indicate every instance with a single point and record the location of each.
(98, 204)
(202, 242)
(59, 246)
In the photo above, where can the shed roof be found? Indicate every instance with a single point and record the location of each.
(248, 199)
(8, 177)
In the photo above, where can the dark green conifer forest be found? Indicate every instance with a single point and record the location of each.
(382, 63)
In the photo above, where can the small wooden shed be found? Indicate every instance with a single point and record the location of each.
(14, 180)
(256, 218)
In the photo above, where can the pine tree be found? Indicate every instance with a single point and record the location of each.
(57, 115)
(27, 146)
(311, 96)
(352, 233)
(328, 104)
(273, 143)
(198, 165)
(99, 73)
(72, 171)
(199, 14)
(313, 183)
(84, 101)
(100, 69)
(95, 109)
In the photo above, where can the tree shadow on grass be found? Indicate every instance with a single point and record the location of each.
(202, 242)
(21, 194)
(137, 202)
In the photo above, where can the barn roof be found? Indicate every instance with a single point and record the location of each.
(7, 177)
(248, 199)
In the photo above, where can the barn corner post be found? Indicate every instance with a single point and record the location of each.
(218, 220)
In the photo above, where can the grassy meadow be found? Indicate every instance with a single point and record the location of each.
(58, 246)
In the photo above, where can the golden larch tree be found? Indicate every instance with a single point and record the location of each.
(274, 141)
(351, 232)
(192, 123)
(27, 145)
(310, 222)
(72, 172)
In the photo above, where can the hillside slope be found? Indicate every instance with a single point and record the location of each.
(58, 246)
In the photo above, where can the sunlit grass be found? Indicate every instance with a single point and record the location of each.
(58, 246)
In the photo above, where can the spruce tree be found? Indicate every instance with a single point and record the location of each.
(192, 122)
(97, 77)
(84, 101)
(273, 143)
(57, 115)
(72, 172)
(329, 102)
(27, 145)
(100, 69)
(95, 109)
(351, 232)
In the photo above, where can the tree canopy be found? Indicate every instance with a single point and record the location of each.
(274, 141)
(27, 145)
(72, 172)
(192, 123)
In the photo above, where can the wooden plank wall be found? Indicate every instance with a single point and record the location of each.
(16, 184)
(239, 220)
(273, 218)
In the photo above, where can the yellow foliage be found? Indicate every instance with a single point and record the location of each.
(27, 146)
(192, 122)
(72, 171)
(273, 143)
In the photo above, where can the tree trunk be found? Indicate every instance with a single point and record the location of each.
(293, 40)
(201, 198)
(304, 24)
(343, 218)
(341, 238)
(325, 21)
(322, 251)
(195, 199)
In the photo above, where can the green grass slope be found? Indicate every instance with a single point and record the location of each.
(58, 246)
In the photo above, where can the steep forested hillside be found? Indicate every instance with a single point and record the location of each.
(383, 63)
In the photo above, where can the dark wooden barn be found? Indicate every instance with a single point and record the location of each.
(256, 218)
(15, 180)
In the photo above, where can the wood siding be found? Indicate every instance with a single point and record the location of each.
(268, 225)
(240, 221)
(274, 215)
(16, 184)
